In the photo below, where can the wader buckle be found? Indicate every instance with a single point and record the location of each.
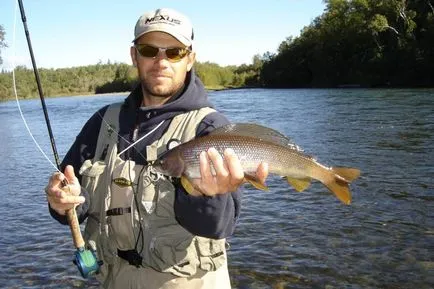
(132, 256)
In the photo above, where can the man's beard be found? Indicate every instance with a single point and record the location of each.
(161, 93)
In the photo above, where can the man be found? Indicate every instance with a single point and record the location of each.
(147, 229)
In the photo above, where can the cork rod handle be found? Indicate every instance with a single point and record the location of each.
(75, 228)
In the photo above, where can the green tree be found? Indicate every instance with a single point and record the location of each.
(2, 41)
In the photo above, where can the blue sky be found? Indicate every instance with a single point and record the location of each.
(80, 32)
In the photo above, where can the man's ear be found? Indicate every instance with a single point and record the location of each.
(133, 53)
(191, 60)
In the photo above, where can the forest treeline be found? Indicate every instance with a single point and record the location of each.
(108, 78)
(366, 43)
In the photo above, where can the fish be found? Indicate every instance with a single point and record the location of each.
(254, 144)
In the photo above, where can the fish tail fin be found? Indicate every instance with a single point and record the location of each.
(339, 183)
(255, 182)
(341, 190)
(349, 174)
(299, 184)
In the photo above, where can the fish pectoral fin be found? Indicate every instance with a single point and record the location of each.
(188, 186)
(349, 174)
(255, 182)
(299, 184)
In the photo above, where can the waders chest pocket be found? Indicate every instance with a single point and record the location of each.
(90, 178)
(211, 253)
(171, 253)
(90, 173)
(166, 200)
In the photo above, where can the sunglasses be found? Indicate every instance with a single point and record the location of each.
(174, 54)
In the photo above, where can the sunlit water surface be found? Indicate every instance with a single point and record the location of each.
(284, 239)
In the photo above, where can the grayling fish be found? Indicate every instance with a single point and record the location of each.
(254, 144)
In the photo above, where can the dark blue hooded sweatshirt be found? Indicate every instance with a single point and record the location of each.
(211, 217)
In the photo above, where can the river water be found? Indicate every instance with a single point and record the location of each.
(284, 239)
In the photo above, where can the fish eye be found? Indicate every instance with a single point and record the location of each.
(162, 163)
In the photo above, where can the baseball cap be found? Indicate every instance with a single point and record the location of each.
(168, 21)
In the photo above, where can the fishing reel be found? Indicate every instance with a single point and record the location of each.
(85, 259)
(86, 262)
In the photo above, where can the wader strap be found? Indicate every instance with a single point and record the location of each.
(118, 211)
(182, 127)
(108, 133)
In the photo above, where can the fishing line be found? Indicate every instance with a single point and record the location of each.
(16, 94)
(140, 139)
(19, 4)
(53, 145)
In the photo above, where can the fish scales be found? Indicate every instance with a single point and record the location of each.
(254, 144)
(251, 152)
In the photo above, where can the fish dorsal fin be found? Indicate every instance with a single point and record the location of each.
(257, 131)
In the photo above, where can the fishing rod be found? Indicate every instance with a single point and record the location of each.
(84, 259)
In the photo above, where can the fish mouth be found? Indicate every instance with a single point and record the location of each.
(168, 164)
(157, 167)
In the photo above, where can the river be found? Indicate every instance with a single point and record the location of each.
(284, 239)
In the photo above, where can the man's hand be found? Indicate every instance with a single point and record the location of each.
(60, 197)
(229, 174)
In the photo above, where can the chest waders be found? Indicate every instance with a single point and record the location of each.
(131, 214)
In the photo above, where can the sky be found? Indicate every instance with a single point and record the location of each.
(85, 32)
